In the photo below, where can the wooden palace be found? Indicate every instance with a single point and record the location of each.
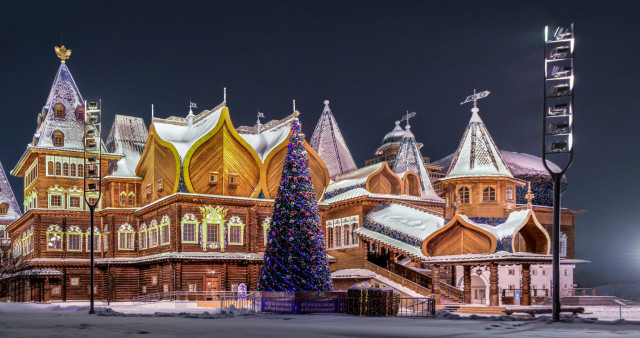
(186, 206)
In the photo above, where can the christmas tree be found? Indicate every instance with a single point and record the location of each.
(295, 258)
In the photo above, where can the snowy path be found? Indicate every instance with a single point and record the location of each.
(18, 321)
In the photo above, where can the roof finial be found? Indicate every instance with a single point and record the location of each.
(294, 105)
(258, 124)
(326, 106)
(474, 98)
(407, 116)
(152, 112)
(224, 96)
(63, 53)
(529, 196)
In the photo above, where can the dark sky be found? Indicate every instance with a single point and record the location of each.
(373, 60)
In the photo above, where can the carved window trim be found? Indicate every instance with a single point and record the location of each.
(191, 220)
(234, 223)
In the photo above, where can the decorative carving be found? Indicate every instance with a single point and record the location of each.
(467, 284)
(493, 288)
(63, 53)
(213, 215)
(526, 284)
(189, 218)
(125, 227)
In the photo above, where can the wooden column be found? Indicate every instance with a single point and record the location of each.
(526, 284)
(436, 283)
(467, 284)
(494, 297)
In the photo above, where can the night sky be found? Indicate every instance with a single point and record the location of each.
(373, 60)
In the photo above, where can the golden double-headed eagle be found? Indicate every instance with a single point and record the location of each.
(63, 53)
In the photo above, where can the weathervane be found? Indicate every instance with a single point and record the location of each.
(407, 116)
(259, 116)
(63, 53)
(475, 97)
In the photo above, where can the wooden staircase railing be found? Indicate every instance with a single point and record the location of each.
(425, 280)
(413, 286)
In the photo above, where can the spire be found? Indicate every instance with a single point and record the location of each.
(409, 158)
(327, 140)
(9, 200)
(477, 155)
(63, 112)
(529, 196)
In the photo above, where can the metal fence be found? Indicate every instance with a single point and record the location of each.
(300, 302)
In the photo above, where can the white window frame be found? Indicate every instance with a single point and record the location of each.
(189, 219)
(235, 221)
(74, 230)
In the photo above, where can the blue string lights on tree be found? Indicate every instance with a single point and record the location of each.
(295, 258)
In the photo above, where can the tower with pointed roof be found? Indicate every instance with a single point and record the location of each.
(409, 159)
(328, 142)
(56, 151)
(9, 208)
(478, 184)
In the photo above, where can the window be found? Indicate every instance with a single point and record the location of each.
(74, 202)
(563, 245)
(489, 194)
(338, 236)
(512, 272)
(534, 272)
(510, 193)
(144, 289)
(143, 237)
(153, 234)
(58, 169)
(164, 230)
(80, 170)
(463, 195)
(213, 178)
(132, 200)
(266, 224)
(160, 185)
(154, 280)
(80, 114)
(56, 201)
(189, 233)
(75, 281)
(544, 272)
(213, 233)
(73, 170)
(96, 239)
(74, 238)
(55, 290)
(3, 209)
(58, 111)
(106, 242)
(123, 198)
(65, 169)
(236, 229)
(165, 287)
(233, 179)
(148, 189)
(345, 234)
(329, 234)
(125, 237)
(566, 272)
(58, 139)
(54, 238)
(193, 287)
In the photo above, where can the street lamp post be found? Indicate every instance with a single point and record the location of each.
(557, 129)
(92, 176)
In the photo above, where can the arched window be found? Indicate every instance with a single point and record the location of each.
(58, 169)
(463, 195)
(80, 114)
(345, 233)
(3, 209)
(58, 139)
(132, 200)
(509, 193)
(123, 198)
(65, 169)
(489, 194)
(73, 170)
(50, 168)
(338, 236)
(80, 170)
(58, 111)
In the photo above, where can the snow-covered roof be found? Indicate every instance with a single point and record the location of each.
(391, 242)
(497, 256)
(409, 158)
(353, 179)
(406, 220)
(182, 133)
(7, 197)
(32, 272)
(328, 142)
(359, 192)
(270, 135)
(506, 229)
(128, 136)
(65, 92)
(477, 154)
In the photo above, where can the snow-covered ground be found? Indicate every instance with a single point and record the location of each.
(71, 319)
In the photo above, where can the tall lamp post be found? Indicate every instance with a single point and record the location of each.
(557, 131)
(92, 176)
